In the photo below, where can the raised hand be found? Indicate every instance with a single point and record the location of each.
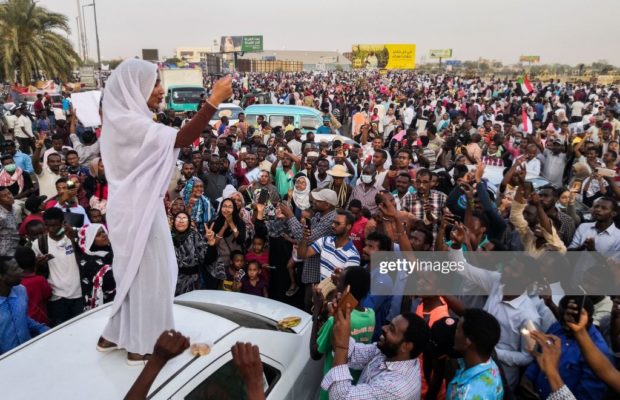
(222, 91)
(169, 345)
(210, 234)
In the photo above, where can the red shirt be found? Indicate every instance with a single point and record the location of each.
(39, 291)
(357, 233)
(262, 259)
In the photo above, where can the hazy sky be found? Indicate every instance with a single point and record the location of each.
(566, 31)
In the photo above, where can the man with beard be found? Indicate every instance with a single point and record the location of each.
(477, 333)
(187, 172)
(391, 367)
(334, 251)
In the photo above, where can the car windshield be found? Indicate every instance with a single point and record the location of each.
(186, 96)
(231, 113)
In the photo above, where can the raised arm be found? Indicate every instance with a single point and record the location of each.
(36, 157)
(222, 90)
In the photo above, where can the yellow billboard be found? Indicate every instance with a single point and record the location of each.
(383, 56)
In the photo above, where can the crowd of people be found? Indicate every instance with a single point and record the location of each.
(275, 212)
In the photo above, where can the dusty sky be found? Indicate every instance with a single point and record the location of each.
(565, 31)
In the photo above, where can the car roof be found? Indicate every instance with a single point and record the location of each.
(258, 109)
(70, 349)
(228, 105)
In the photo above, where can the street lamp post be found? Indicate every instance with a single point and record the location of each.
(94, 6)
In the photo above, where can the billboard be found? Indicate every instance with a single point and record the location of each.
(383, 56)
(150, 54)
(241, 44)
(531, 59)
(440, 53)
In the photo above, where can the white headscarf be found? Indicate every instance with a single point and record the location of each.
(86, 238)
(139, 157)
(302, 197)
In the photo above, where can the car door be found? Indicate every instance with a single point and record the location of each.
(221, 380)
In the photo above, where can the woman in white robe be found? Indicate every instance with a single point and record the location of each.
(139, 155)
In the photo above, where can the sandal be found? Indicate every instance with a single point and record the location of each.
(291, 292)
(134, 359)
(104, 345)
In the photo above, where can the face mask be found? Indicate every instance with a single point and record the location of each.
(10, 168)
(366, 178)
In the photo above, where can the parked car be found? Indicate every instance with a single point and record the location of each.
(230, 110)
(305, 118)
(65, 364)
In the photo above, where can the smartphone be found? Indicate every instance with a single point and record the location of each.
(347, 298)
(263, 196)
(606, 172)
(70, 184)
(308, 223)
(243, 150)
(530, 343)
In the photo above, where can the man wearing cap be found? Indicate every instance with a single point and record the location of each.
(326, 127)
(324, 202)
(338, 185)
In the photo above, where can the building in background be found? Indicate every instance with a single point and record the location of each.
(310, 60)
(193, 54)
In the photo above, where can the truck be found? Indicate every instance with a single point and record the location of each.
(183, 87)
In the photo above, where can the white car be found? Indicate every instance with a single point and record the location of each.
(64, 364)
(227, 109)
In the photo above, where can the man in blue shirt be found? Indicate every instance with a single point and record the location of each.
(574, 370)
(478, 377)
(377, 241)
(325, 128)
(15, 325)
(22, 160)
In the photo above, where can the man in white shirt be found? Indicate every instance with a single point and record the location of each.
(512, 311)
(23, 131)
(57, 250)
(409, 114)
(46, 174)
(295, 144)
(532, 163)
(57, 148)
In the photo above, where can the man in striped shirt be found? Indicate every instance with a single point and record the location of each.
(336, 251)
